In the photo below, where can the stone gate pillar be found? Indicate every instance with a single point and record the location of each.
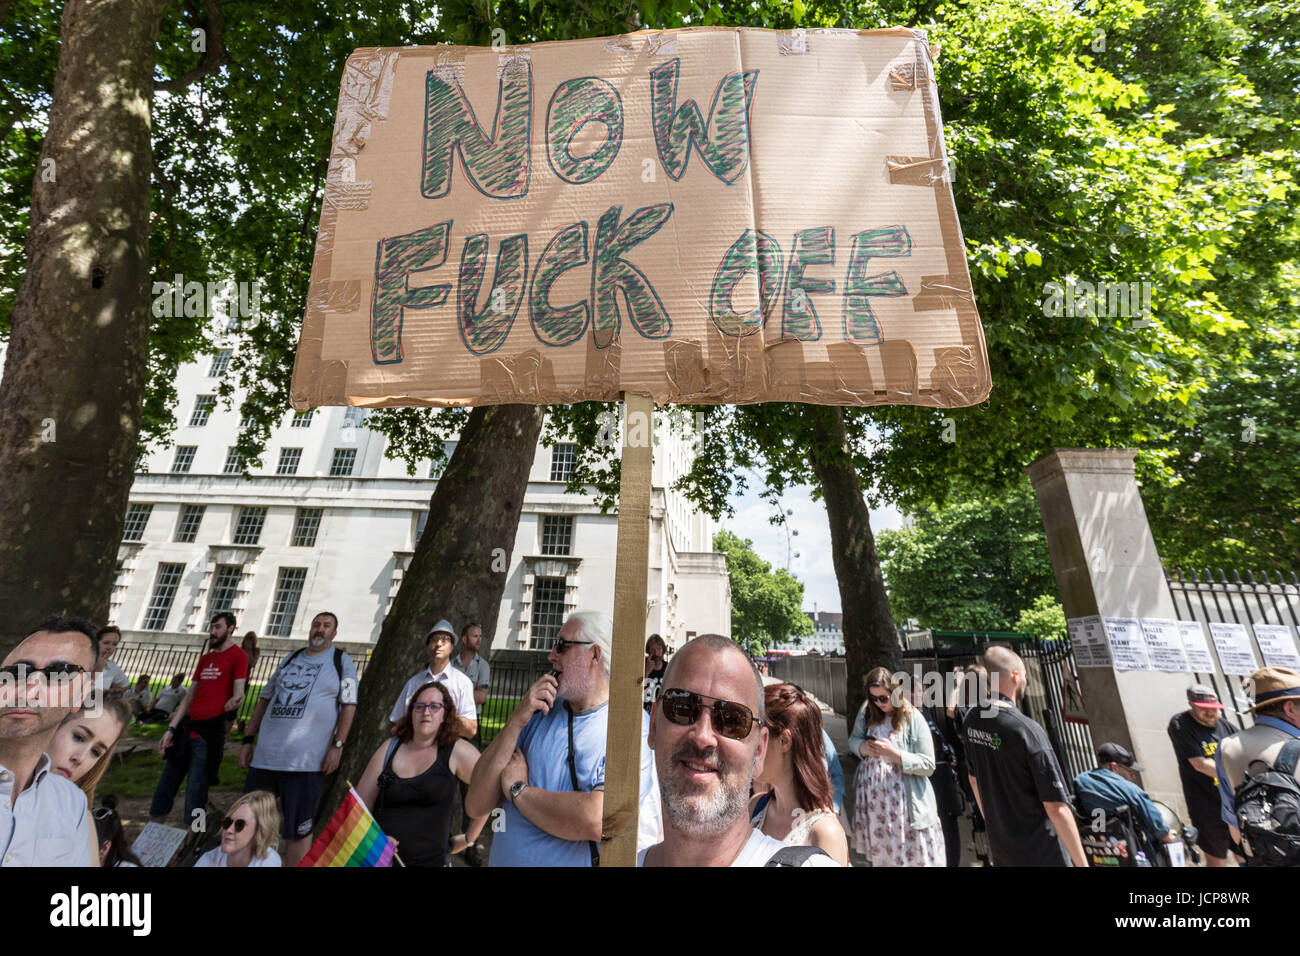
(1106, 564)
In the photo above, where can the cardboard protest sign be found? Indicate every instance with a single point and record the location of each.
(700, 216)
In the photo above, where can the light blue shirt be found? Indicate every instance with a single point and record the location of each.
(545, 745)
(1227, 805)
(48, 824)
(1104, 789)
(833, 769)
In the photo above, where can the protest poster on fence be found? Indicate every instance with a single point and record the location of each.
(702, 215)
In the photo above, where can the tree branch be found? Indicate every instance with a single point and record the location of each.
(214, 54)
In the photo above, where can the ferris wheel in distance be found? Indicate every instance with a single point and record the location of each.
(786, 553)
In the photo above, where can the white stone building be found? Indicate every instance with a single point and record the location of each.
(828, 638)
(328, 523)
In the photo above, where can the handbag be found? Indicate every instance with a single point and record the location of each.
(573, 777)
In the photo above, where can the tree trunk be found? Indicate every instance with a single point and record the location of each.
(458, 571)
(75, 371)
(870, 639)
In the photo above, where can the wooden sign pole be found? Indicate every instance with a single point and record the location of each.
(631, 571)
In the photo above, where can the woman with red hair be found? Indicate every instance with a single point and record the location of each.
(798, 807)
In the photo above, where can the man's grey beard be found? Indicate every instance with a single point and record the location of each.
(696, 814)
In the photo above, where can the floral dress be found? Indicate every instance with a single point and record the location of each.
(882, 831)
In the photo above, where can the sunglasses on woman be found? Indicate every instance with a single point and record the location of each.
(729, 718)
(879, 698)
(229, 822)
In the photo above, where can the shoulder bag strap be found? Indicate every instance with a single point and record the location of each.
(573, 777)
(386, 774)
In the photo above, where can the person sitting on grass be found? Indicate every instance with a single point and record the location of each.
(248, 833)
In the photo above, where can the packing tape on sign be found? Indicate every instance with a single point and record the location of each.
(794, 43)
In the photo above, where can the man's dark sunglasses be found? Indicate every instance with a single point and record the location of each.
(729, 718)
(562, 645)
(22, 671)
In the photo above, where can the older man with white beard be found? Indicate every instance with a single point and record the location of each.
(709, 739)
(548, 762)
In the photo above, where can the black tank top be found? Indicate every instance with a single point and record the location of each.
(416, 811)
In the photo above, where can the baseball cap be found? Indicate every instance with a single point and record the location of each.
(1203, 695)
(1120, 755)
(442, 627)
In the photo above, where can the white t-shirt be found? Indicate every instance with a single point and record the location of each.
(458, 685)
(217, 857)
(758, 849)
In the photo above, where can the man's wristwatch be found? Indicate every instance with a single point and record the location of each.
(516, 788)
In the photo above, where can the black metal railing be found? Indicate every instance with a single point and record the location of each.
(826, 678)
(1209, 597)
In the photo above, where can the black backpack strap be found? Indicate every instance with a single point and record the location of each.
(573, 778)
(794, 855)
(338, 665)
(1288, 758)
(386, 775)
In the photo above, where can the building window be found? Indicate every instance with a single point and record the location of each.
(563, 458)
(184, 458)
(164, 593)
(203, 406)
(288, 590)
(342, 463)
(225, 588)
(353, 416)
(234, 464)
(187, 526)
(557, 534)
(248, 527)
(137, 516)
(289, 458)
(306, 524)
(436, 468)
(303, 419)
(548, 613)
(220, 362)
(421, 522)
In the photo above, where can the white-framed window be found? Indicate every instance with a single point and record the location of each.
(343, 462)
(437, 468)
(234, 464)
(248, 526)
(220, 362)
(548, 613)
(187, 525)
(303, 419)
(289, 458)
(306, 525)
(225, 588)
(165, 584)
(184, 458)
(288, 592)
(137, 516)
(563, 459)
(557, 534)
(203, 406)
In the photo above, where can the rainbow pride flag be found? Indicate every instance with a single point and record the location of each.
(351, 838)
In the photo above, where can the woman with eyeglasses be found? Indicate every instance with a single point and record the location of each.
(82, 747)
(249, 833)
(895, 819)
(798, 807)
(410, 783)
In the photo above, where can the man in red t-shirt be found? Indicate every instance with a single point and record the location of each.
(218, 686)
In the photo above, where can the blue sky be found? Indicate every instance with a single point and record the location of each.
(813, 566)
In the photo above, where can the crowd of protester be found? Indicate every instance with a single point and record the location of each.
(736, 769)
